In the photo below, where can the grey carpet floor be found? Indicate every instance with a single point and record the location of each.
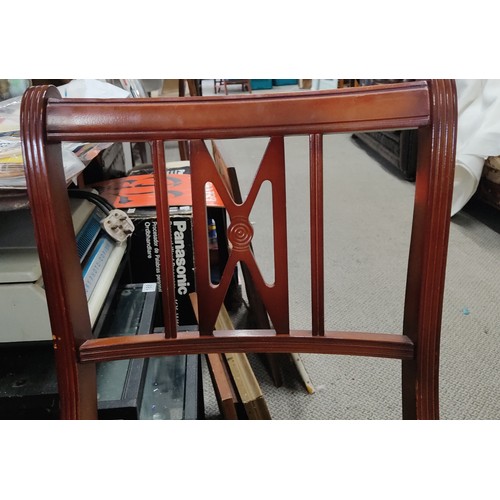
(368, 213)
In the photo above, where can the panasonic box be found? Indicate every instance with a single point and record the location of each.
(135, 194)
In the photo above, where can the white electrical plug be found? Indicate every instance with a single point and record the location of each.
(118, 225)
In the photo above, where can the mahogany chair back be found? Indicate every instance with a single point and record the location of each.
(429, 106)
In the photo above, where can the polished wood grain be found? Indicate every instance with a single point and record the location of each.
(64, 288)
(430, 106)
(428, 252)
(383, 345)
(317, 223)
(164, 235)
(215, 117)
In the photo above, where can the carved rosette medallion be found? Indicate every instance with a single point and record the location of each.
(240, 233)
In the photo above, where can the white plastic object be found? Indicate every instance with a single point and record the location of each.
(118, 225)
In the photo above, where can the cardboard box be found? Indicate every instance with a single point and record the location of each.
(170, 88)
(145, 257)
(305, 84)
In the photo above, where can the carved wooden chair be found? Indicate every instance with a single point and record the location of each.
(429, 106)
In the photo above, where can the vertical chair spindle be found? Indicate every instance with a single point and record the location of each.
(316, 216)
(164, 237)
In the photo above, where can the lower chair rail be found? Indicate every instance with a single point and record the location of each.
(383, 345)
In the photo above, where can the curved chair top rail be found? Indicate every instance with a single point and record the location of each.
(393, 106)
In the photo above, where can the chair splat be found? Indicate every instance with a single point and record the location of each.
(240, 233)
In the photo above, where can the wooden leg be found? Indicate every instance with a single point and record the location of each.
(420, 393)
(409, 390)
(88, 391)
(77, 387)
